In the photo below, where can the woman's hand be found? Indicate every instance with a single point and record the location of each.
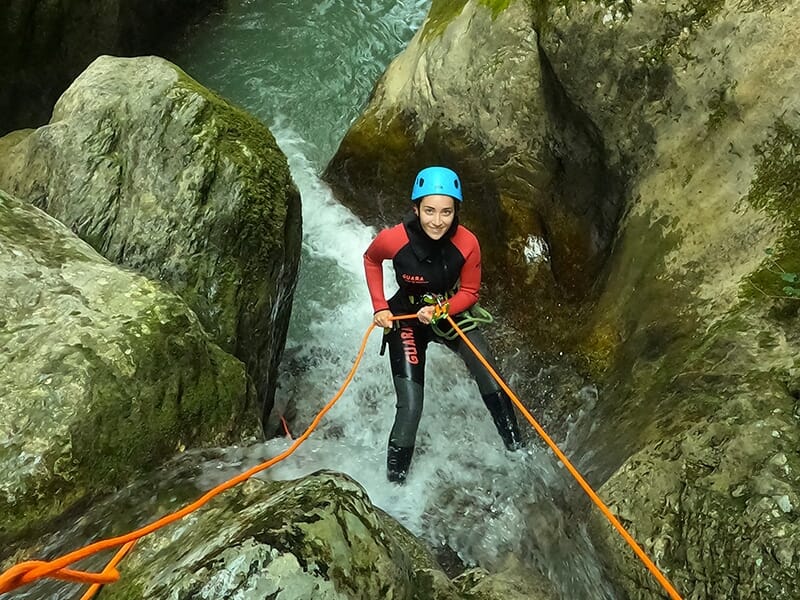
(425, 314)
(383, 318)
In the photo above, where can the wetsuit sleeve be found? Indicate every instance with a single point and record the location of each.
(379, 250)
(470, 277)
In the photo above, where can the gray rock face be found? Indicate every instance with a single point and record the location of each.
(318, 537)
(103, 372)
(45, 45)
(696, 336)
(693, 336)
(472, 91)
(162, 176)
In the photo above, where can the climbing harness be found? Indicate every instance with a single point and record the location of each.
(467, 320)
(27, 572)
(440, 307)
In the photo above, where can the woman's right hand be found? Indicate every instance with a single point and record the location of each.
(383, 318)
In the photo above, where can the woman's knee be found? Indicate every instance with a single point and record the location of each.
(486, 382)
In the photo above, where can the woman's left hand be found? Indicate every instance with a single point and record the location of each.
(425, 314)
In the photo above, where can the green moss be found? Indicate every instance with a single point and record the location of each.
(776, 190)
(442, 12)
(128, 591)
(184, 392)
(599, 349)
(33, 512)
(701, 12)
(721, 107)
(496, 6)
(261, 238)
(8, 141)
(381, 156)
(261, 168)
(764, 6)
(392, 137)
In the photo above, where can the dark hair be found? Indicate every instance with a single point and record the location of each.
(456, 203)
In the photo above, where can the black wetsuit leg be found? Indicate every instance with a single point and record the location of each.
(407, 349)
(486, 383)
(495, 399)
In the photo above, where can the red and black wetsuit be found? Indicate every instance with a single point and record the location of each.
(450, 266)
(423, 265)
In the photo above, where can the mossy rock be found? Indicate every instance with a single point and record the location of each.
(105, 373)
(317, 537)
(161, 175)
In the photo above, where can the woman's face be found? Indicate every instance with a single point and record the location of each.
(436, 213)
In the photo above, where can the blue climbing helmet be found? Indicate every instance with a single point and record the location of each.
(436, 180)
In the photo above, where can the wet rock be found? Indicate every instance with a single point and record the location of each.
(698, 341)
(161, 175)
(513, 583)
(103, 373)
(318, 537)
(706, 501)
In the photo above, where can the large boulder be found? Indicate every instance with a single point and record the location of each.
(691, 328)
(161, 175)
(695, 334)
(315, 538)
(473, 91)
(103, 373)
(45, 45)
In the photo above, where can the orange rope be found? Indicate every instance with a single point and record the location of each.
(578, 477)
(29, 571)
(110, 569)
(286, 428)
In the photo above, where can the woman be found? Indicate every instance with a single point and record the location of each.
(431, 254)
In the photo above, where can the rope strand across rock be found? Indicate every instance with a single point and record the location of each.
(27, 572)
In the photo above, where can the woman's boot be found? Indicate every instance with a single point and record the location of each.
(398, 460)
(502, 411)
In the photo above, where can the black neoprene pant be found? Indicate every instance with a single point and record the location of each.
(408, 346)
